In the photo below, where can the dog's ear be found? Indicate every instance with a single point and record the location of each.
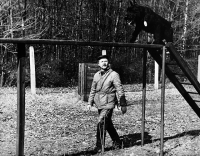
(133, 2)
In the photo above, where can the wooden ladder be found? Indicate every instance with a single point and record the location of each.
(183, 71)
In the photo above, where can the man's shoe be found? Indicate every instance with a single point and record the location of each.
(117, 145)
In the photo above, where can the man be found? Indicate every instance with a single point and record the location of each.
(106, 83)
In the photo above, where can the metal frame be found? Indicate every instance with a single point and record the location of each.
(162, 102)
(20, 99)
(162, 99)
(143, 95)
(21, 50)
(80, 43)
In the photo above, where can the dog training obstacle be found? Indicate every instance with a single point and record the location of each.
(21, 43)
(20, 99)
(162, 99)
(186, 72)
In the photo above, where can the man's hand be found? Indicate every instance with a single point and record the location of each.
(89, 107)
(123, 109)
(123, 104)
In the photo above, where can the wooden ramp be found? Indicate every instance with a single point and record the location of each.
(189, 87)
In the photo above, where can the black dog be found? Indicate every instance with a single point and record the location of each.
(145, 19)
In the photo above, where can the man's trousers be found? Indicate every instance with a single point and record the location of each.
(105, 124)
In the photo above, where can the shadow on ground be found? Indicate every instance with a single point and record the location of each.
(128, 141)
(131, 140)
(193, 133)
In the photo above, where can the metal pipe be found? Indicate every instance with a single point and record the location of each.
(80, 43)
(162, 103)
(21, 74)
(20, 99)
(143, 96)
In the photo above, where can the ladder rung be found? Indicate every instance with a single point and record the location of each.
(172, 64)
(193, 93)
(185, 83)
(180, 74)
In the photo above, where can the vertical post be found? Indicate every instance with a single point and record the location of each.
(198, 72)
(143, 96)
(85, 81)
(32, 70)
(162, 103)
(156, 75)
(79, 79)
(20, 99)
(2, 78)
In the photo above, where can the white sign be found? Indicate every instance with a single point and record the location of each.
(103, 52)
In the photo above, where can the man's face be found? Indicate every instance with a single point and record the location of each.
(103, 63)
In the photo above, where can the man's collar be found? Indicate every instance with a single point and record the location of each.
(102, 72)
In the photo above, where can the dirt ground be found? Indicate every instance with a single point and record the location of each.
(58, 124)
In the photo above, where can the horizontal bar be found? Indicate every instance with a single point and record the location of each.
(81, 43)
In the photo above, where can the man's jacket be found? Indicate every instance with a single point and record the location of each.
(104, 88)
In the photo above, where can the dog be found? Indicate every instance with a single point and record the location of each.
(146, 19)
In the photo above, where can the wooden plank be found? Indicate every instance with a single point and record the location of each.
(82, 79)
(79, 79)
(184, 67)
(93, 65)
(32, 70)
(89, 74)
(93, 70)
(90, 77)
(85, 82)
(90, 68)
(198, 71)
(156, 76)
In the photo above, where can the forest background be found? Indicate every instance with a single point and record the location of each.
(88, 20)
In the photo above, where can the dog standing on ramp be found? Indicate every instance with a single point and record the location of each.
(145, 19)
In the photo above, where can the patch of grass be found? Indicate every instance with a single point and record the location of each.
(59, 124)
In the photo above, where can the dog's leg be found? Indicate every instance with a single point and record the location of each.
(135, 33)
(158, 36)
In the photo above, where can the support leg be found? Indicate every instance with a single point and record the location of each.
(20, 99)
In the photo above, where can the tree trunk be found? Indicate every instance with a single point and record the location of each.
(2, 79)
(185, 27)
(11, 20)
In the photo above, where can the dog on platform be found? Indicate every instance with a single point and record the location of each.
(147, 20)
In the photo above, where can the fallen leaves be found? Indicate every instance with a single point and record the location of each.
(57, 122)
